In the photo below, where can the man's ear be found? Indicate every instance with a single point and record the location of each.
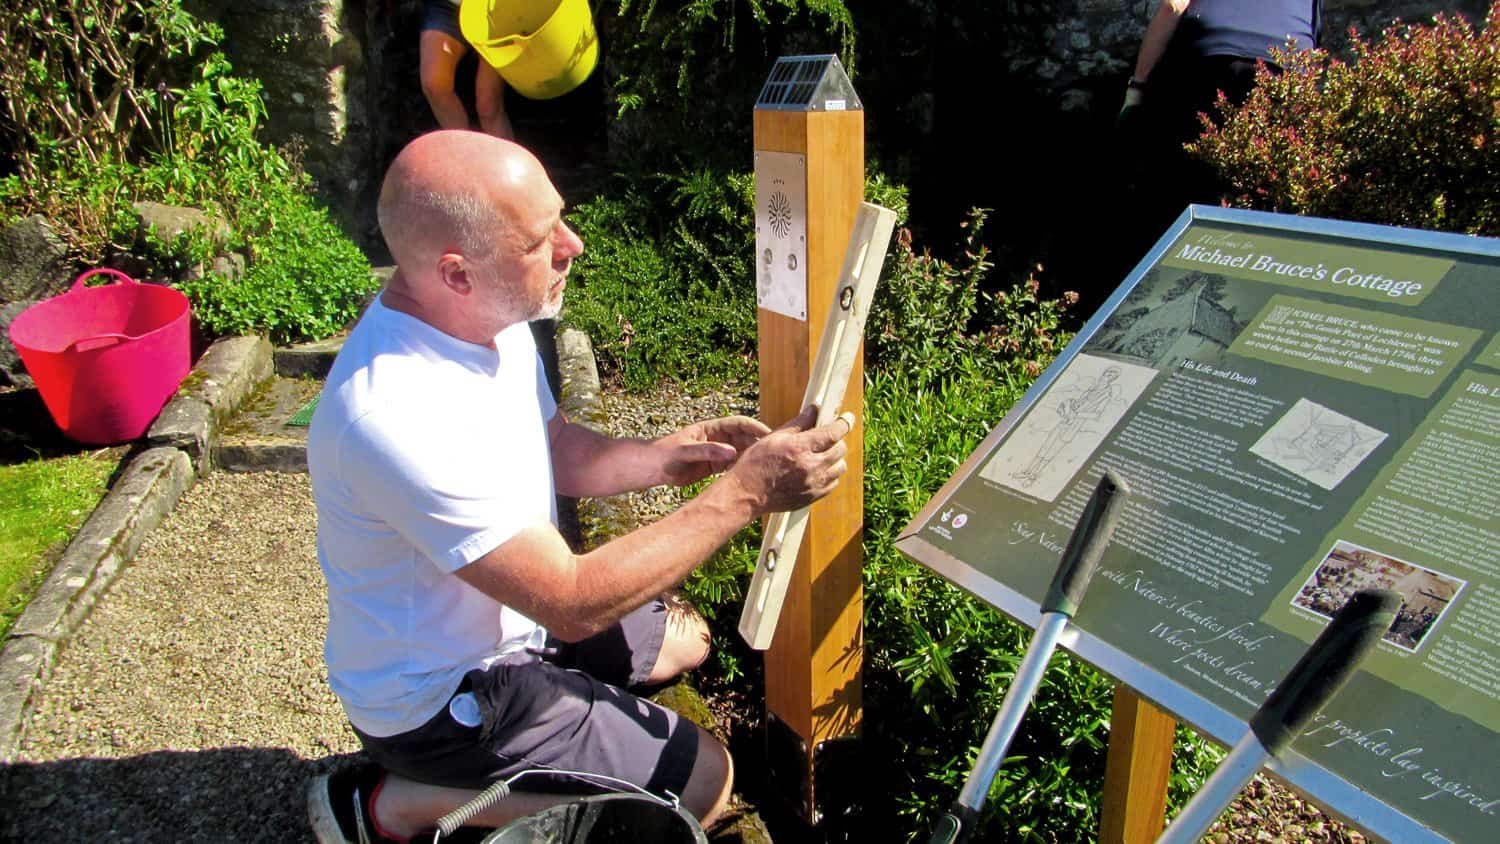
(454, 273)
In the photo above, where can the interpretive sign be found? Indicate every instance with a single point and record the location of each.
(1302, 408)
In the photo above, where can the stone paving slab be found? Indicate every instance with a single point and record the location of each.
(259, 438)
(228, 373)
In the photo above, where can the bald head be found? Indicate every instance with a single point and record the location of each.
(453, 192)
(478, 235)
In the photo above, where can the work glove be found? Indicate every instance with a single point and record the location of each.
(1131, 109)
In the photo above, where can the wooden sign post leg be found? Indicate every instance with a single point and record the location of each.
(813, 667)
(1136, 771)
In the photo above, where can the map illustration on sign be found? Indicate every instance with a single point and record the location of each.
(781, 233)
(1317, 443)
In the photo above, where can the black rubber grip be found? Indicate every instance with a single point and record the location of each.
(1327, 665)
(1086, 545)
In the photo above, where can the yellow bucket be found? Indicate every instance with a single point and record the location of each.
(543, 48)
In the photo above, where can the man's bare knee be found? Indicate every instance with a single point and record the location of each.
(685, 645)
(708, 788)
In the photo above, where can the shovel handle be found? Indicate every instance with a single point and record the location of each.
(1316, 677)
(954, 826)
(1090, 537)
(1325, 667)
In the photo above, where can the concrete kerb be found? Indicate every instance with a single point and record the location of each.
(178, 450)
(226, 374)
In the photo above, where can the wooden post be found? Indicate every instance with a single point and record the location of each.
(813, 667)
(1136, 771)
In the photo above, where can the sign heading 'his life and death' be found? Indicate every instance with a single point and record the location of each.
(1302, 408)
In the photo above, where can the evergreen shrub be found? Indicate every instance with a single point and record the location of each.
(306, 279)
(663, 287)
(1407, 133)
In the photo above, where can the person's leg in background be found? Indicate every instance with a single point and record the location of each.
(489, 101)
(441, 47)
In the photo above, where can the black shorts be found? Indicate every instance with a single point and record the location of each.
(442, 16)
(565, 712)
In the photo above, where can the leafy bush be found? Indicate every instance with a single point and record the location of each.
(209, 153)
(1408, 133)
(306, 279)
(685, 72)
(194, 145)
(76, 74)
(929, 313)
(77, 81)
(663, 284)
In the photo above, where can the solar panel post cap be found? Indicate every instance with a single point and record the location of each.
(808, 83)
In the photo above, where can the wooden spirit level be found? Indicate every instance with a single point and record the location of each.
(837, 352)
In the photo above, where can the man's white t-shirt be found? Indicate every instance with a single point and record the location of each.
(426, 452)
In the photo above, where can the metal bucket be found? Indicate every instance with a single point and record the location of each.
(604, 819)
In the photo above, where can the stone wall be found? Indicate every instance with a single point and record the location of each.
(340, 86)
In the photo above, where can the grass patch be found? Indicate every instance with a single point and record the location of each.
(45, 502)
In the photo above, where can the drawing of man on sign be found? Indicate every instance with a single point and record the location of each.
(1060, 433)
(1075, 414)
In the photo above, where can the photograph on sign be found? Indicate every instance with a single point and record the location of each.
(1348, 568)
(781, 233)
(1302, 409)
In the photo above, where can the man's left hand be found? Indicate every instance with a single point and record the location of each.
(707, 448)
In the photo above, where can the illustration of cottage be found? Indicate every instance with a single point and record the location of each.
(1189, 326)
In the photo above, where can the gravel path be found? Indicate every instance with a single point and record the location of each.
(192, 704)
(665, 410)
(193, 701)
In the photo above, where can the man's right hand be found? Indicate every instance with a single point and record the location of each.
(578, 595)
(1130, 110)
(794, 465)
